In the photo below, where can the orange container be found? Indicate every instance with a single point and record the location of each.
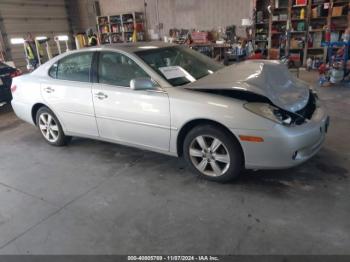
(337, 10)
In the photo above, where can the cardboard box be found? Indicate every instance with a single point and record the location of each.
(294, 44)
(337, 10)
(274, 54)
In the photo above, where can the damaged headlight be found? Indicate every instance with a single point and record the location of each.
(270, 112)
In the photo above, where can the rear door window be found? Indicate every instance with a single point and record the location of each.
(75, 67)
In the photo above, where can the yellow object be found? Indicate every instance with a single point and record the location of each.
(134, 36)
(80, 41)
(92, 40)
(40, 48)
(302, 13)
(30, 52)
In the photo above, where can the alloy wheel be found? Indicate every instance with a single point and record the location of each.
(209, 155)
(48, 127)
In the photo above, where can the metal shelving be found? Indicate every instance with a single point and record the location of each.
(319, 22)
(120, 28)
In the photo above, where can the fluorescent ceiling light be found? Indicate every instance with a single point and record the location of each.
(246, 22)
(148, 47)
(62, 38)
(39, 38)
(16, 41)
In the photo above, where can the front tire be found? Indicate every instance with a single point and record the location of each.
(50, 128)
(213, 153)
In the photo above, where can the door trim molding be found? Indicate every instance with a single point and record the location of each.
(134, 122)
(77, 113)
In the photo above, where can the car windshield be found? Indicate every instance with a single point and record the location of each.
(179, 65)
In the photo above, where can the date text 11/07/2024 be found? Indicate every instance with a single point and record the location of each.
(173, 258)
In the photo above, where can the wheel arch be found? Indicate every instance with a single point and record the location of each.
(35, 110)
(198, 122)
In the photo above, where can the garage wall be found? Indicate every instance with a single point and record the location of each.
(187, 14)
(55, 17)
(82, 15)
(39, 17)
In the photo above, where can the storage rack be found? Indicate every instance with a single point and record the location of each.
(120, 28)
(287, 32)
(261, 30)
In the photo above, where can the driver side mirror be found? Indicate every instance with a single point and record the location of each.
(143, 84)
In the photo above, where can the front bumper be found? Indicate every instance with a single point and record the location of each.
(285, 147)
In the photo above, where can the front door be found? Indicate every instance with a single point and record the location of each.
(130, 116)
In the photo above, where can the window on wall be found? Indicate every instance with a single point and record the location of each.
(75, 67)
(118, 69)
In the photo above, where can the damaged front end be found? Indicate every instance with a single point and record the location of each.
(268, 88)
(262, 106)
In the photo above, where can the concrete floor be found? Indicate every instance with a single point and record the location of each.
(99, 198)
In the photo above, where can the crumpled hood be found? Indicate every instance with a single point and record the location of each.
(267, 78)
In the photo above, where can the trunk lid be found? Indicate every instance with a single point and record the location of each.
(267, 78)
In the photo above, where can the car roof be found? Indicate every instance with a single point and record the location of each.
(134, 47)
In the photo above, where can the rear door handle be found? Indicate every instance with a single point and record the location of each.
(101, 95)
(49, 89)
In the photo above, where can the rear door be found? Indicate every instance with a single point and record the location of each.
(137, 117)
(67, 91)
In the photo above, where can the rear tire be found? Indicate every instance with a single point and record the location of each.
(213, 153)
(50, 128)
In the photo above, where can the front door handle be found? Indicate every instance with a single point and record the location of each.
(49, 89)
(101, 95)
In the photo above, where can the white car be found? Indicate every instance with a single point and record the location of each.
(173, 100)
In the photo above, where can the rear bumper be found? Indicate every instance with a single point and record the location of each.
(22, 111)
(285, 147)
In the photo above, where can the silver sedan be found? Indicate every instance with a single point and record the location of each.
(173, 100)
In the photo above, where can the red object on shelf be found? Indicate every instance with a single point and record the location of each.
(256, 56)
(139, 27)
(328, 36)
(301, 2)
(295, 57)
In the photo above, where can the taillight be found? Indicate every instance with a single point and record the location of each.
(16, 73)
(13, 88)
